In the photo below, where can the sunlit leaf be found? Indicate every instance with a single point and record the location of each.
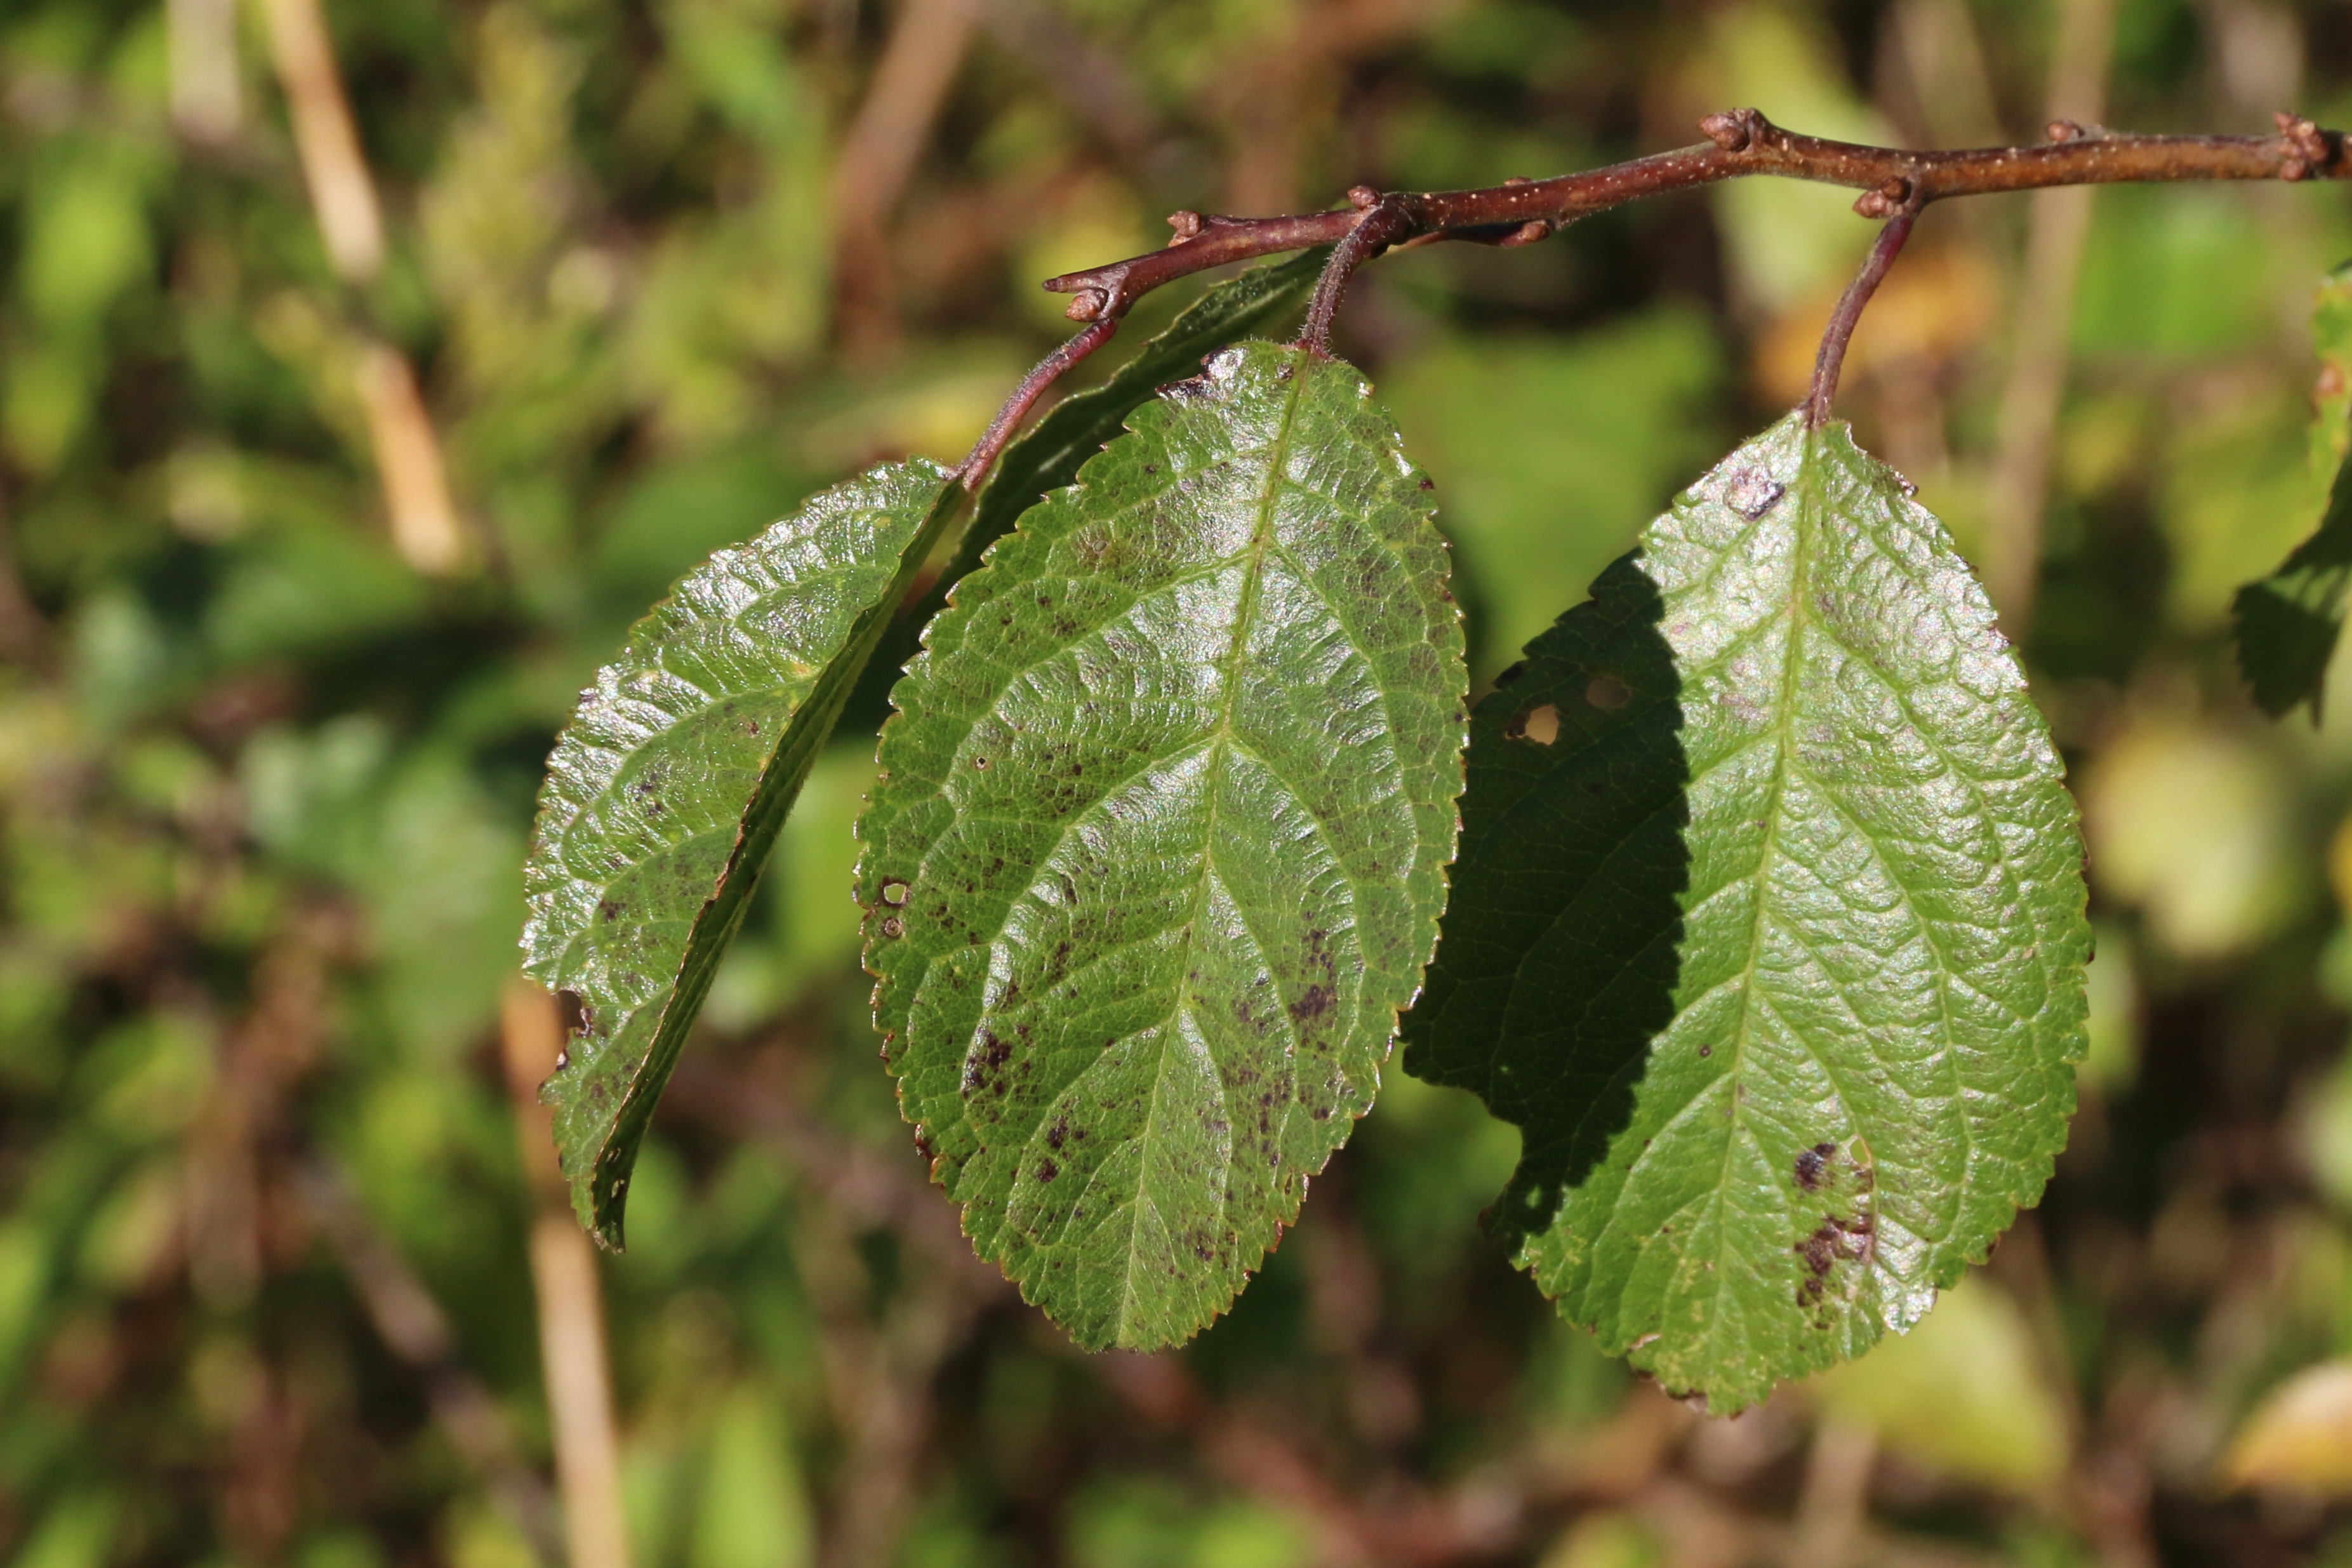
(1768, 928)
(666, 792)
(1159, 850)
(2288, 622)
(1049, 455)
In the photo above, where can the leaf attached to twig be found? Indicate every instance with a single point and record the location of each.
(1160, 847)
(667, 789)
(1768, 928)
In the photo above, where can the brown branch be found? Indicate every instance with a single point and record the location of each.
(426, 529)
(425, 526)
(910, 85)
(1896, 184)
(341, 192)
(1743, 143)
(413, 1324)
(208, 99)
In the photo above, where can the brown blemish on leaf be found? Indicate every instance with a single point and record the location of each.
(1539, 725)
(983, 1070)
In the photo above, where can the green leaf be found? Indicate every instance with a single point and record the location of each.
(2289, 621)
(1768, 928)
(1160, 846)
(666, 792)
(1050, 454)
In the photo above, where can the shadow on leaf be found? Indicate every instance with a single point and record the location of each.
(1563, 937)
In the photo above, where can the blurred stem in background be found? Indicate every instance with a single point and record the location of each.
(1835, 1501)
(343, 196)
(207, 92)
(563, 1272)
(878, 155)
(2056, 233)
(424, 518)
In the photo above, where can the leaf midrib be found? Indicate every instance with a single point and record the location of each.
(1261, 533)
(1809, 498)
(1800, 564)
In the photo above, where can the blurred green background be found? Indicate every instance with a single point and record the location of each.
(272, 712)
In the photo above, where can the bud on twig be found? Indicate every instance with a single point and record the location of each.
(1733, 129)
(1886, 200)
(2306, 143)
(1187, 224)
(1085, 305)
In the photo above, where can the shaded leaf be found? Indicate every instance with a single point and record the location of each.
(1768, 928)
(2288, 623)
(666, 792)
(1159, 850)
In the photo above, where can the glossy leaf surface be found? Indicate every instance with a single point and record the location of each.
(1050, 453)
(666, 790)
(1160, 847)
(2288, 623)
(1768, 928)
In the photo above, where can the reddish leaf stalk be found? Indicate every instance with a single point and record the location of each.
(1385, 221)
(982, 455)
(1831, 360)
